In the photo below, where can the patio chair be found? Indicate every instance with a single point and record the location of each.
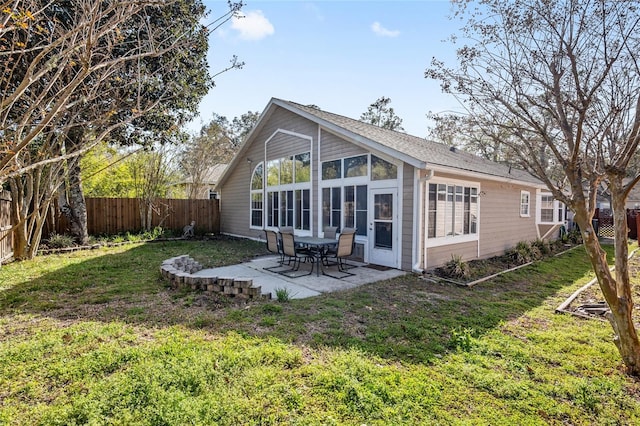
(295, 255)
(286, 229)
(330, 231)
(273, 246)
(332, 250)
(344, 249)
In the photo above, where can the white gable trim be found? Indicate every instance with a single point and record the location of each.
(352, 137)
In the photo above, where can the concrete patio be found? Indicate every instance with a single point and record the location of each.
(302, 286)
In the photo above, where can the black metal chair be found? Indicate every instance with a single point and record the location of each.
(343, 250)
(295, 255)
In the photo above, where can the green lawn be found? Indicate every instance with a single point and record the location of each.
(98, 337)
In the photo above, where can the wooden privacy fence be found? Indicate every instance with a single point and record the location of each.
(109, 216)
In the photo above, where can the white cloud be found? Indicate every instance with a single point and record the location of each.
(252, 25)
(377, 28)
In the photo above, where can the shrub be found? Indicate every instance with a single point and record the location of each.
(543, 246)
(572, 237)
(57, 241)
(524, 252)
(456, 267)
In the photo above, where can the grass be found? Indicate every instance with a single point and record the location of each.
(97, 337)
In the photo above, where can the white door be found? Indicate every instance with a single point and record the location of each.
(383, 227)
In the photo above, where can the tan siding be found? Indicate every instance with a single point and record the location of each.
(284, 145)
(234, 194)
(438, 256)
(333, 147)
(501, 226)
(407, 217)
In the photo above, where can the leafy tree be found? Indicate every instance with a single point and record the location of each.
(558, 82)
(242, 126)
(380, 114)
(77, 71)
(105, 172)
(217, 143)
(174, 83)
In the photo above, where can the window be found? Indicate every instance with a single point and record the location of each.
(286, 170)
(452, 210)
(345, 207)
(381, 169)
(256, 196)
(356, 166)
(273, 173)
(546, 208)
(550, 210)
(286, 208)
(303, 209)
(524, 203)
(331, 206)
(355, 208)
(332, 170)
(273, 209)
(288, 192)
(303, 167)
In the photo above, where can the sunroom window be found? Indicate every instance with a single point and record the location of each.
(256, 196)
(289, 192)
(452, 210)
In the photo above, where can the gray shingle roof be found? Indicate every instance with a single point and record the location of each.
(432, 153)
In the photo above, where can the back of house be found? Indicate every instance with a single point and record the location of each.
(413, 202)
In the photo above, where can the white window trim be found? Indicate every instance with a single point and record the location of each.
(256, 191)
(452, 239)
(556, 206)
(288, 187)
(528, 213)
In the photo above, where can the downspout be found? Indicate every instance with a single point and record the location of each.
(420, 225)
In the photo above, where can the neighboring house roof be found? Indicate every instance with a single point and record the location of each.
(419, 152)
(211, 176)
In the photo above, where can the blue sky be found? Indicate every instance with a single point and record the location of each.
(339, 55)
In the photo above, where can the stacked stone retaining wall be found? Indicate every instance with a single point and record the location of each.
(180, 272)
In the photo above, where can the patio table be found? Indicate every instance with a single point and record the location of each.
(317, 247)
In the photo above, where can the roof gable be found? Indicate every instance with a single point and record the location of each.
(419, 152)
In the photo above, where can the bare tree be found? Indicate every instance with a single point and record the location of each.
(152, 173)
(558, 82)
(76, 72)
(463, 131)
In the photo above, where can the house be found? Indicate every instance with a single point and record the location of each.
(205, 189)
(413, 202)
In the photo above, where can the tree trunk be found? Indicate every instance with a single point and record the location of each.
(73, 205)
(71, 199)
(20, 198)
(621, 316)
(616, 290)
